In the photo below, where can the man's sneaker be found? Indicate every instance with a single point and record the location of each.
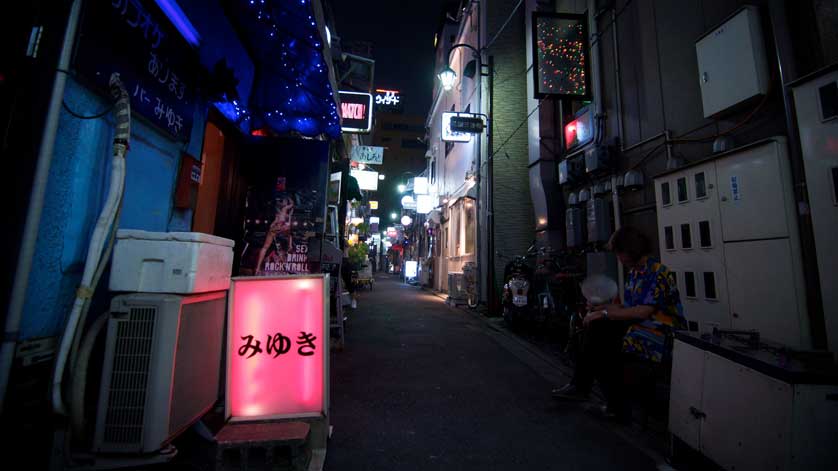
(570, 392)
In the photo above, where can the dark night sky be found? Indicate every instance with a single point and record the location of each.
(402, 33)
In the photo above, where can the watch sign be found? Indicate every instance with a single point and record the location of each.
(355, 112)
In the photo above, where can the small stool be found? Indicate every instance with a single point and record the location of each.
(258, 446)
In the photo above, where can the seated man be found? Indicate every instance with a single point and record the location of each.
(652, 309)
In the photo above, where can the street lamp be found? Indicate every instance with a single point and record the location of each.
(448, 77)
(393, 216)
(401, 187)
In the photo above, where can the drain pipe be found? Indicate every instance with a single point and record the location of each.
(101, 235)
(36, 204)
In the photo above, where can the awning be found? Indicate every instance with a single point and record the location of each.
(291, 90)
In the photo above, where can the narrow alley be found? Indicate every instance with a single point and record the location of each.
(419, 382)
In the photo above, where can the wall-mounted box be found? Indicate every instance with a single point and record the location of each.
(728, 232)
(732, 65)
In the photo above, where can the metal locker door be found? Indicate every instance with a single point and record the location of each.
(763, 294)
(686, 391)
(752, 195)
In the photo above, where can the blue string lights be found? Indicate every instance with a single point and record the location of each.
(292, 92)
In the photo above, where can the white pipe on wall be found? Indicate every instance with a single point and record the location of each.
(36, 203)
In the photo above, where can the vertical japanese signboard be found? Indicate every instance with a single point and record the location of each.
(278, 347)
(135, 39)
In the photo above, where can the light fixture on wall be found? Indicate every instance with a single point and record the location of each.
(448, 77)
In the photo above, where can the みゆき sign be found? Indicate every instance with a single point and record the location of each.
(278, 347)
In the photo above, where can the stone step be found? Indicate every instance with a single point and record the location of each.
(263, 446)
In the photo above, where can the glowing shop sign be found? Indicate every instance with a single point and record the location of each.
(367, 180)
(387, 97)
(411, 267)
(560, 54)
(373, 204)
(278, 347)
(448, 134)
(370, 155)
(424, 204)
(355, 112)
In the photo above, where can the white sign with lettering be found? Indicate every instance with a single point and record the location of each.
(370, 155)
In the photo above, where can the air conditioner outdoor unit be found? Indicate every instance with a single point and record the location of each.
(161, 369)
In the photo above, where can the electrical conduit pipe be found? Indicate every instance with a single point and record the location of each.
(36, 204)
(122, 134)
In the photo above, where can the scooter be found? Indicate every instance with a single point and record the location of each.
(517, 280)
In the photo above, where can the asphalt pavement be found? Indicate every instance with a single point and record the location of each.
(424, 386)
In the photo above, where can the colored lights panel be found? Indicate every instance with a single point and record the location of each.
(277, 347)
(561, 49)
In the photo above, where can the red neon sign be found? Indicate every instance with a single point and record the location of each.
(353, 110)
(278, 347)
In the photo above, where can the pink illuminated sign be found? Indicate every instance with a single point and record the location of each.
(278, 347)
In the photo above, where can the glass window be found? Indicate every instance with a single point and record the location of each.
(689, 280)
(710, 285)
(682, 190)
(669, 238)
(675, 278)
(704, 234)
(686, 237)
(700, 186)
(666, 198)
(470, 217)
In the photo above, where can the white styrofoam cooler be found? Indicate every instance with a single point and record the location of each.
(170, 262)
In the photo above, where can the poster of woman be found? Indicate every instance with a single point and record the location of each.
(285, 208)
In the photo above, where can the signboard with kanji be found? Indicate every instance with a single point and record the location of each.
(368, 155)
(158, 67)
(278, 347)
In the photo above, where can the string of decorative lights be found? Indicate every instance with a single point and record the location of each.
(298, 95)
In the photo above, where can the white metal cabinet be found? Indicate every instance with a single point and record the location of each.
(752, 191)
(728, 230)
(732, 64)
(688, 203)
(686, 393)
(761, 294)
(744, 419)
(748, 416)
(819, 142)
(813, 437)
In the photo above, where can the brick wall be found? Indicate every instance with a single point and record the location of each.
(514, 224)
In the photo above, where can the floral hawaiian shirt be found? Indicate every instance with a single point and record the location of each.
(653, 285)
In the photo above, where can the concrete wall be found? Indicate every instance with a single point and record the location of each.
(660, 87)
(76, 191)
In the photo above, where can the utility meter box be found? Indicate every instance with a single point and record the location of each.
(574, 227)
(599, 220)
(732, 65)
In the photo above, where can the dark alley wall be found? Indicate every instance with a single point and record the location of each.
(659, 80)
